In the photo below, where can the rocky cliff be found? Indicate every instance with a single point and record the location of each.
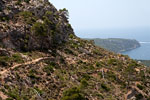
(41, 59)
(28, 24)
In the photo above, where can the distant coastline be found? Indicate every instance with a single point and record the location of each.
(129, 49)
(140, 34)
(117, 45)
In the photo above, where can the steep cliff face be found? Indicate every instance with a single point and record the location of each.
(72, 70)
(28, 24)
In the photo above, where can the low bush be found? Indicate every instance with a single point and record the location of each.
(112, 62)
(26, 14)
(39, 29)
(17, 58)
(27, 1)
(140, 86)
(4, 18)
(98, 64)
(28, 17)
(139, 97)
(73, 94)
(84, 83)
(68, 51)
(105, 87)
(48, 69)
(0, 9)
(4, 60)
(18, 2)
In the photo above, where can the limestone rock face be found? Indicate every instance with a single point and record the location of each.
(32, 25)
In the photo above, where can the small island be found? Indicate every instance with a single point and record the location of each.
(117, 45)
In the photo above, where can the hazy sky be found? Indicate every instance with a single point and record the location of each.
(106, 14)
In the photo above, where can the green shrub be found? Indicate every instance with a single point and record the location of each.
(71, 36)
(98, 64)
(73, 94)
(68, 51)
(97, 52)
(28, 17)
(48, 13)
(100, 96)
(39, 29)
(0, 9)
(140, 86)
(105, 87)
(112, 62)
(47, 21)
(51, 26)
(18, 2)
(27, 1)
(4, 60)
(38, 90)
(51, 63)
(69, 25)
(26, 14)
(48, 69)
(84, 83)
(133, 64)
(91, 67)
(14, 94)
(4, 18)
(86, 76)
(139, 97)
(111, 75)
(9, 99)
(30, 20)
(17, 58)
(32, 74)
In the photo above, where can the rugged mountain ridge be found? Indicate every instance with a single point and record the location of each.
(64, 68)
(28, 24)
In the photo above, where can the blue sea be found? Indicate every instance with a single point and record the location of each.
(140, 34)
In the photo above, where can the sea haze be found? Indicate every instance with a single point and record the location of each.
(142, 35)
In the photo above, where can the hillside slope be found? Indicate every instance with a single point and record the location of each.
(65, 69)
(117, 45)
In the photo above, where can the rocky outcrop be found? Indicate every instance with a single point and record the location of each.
(32, 25)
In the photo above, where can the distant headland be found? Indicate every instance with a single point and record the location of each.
(117, 45)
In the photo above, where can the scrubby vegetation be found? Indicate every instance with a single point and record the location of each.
(28, 17)
(73, 94)
(39, 29)
(7, 60)
(4, 18)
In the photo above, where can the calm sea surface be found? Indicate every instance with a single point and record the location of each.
(142, 52)
(142, 35)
